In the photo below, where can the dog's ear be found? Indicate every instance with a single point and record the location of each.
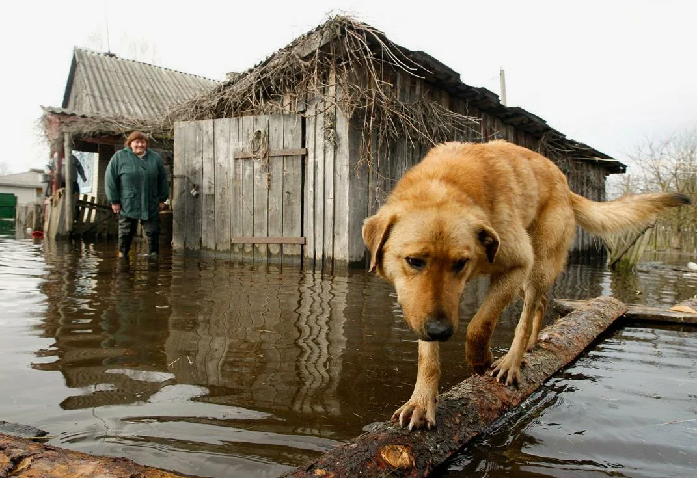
(490, 240)
(376, 230)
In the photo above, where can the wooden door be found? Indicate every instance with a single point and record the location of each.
(238, 186)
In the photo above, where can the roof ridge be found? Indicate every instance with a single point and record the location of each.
(116, 57)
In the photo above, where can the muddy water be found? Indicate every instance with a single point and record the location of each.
(211, 368)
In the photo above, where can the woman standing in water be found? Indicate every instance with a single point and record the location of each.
(137, 188)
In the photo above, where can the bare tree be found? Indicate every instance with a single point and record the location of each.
(669, 164)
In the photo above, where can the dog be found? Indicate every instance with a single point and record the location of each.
(471, 209)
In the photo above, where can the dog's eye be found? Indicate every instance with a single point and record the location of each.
(459, 264)
(416, 263)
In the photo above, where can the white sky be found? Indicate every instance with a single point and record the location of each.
(607, 73)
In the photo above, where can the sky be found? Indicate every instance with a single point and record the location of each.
(612, 74)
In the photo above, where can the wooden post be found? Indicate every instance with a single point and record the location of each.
(69, 199)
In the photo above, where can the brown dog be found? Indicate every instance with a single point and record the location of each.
(471, 209)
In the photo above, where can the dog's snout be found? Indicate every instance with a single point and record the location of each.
(440, 330)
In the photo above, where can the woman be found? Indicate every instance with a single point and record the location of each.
(137, 188)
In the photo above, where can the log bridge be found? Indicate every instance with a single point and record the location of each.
(466, 411)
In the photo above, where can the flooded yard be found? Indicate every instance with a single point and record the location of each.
(211, 368)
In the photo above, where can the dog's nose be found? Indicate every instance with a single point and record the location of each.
(439, 330)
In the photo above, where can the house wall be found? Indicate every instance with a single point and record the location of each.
(104, 154)
(24, 194)
(340, 188)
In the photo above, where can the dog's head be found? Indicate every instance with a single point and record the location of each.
(429, 254)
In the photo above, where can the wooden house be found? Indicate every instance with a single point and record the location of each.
(286, 160)
(107, 97)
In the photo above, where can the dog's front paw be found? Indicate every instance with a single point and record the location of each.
(418, 412)
(507, 368)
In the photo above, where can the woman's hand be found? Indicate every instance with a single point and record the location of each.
(116, 208)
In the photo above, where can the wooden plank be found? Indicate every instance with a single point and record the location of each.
(320, 153)
(267, 240)
(223, 184)
(208, 206)
(82, 209)
(309, 188)
(275, 185)
(292, 185)
(273, 153)
(330, 141)
(247, 173)
(194, 174)
(373, 177)
(358, 185)
(178, 187)
(90, 213)
(261, 192)
(636, 312)
(236, 201)
(342, 177)
(69, 198)
(94, 207)
(465, 411)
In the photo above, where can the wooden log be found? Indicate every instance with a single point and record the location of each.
(466, 410)
(23, 458)
(676, 315)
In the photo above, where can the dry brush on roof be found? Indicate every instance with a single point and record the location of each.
(344, 64)
(55, 120)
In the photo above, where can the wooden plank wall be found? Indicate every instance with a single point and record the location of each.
(329, 210)
(235, 199)
(179, 185)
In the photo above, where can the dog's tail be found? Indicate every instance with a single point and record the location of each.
(627, 213)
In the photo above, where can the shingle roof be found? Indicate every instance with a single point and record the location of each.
(106, 84)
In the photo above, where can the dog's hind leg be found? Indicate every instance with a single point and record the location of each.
(502, 290)
(508, 366)
(550, 240)
(537, 323)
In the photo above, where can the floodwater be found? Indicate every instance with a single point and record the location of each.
(211, 368)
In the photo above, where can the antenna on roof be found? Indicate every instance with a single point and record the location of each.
(502, 79)
(106, 20)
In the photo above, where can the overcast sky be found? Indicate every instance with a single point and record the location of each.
(607, 73)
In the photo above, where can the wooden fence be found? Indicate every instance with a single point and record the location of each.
(92, 218)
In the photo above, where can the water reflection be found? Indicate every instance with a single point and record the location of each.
(212, 368)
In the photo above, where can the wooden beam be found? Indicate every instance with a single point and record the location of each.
(273, 154)
(267, 240)
(466, 410)
(676, 315)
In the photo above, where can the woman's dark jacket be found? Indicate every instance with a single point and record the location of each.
(137, 184)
